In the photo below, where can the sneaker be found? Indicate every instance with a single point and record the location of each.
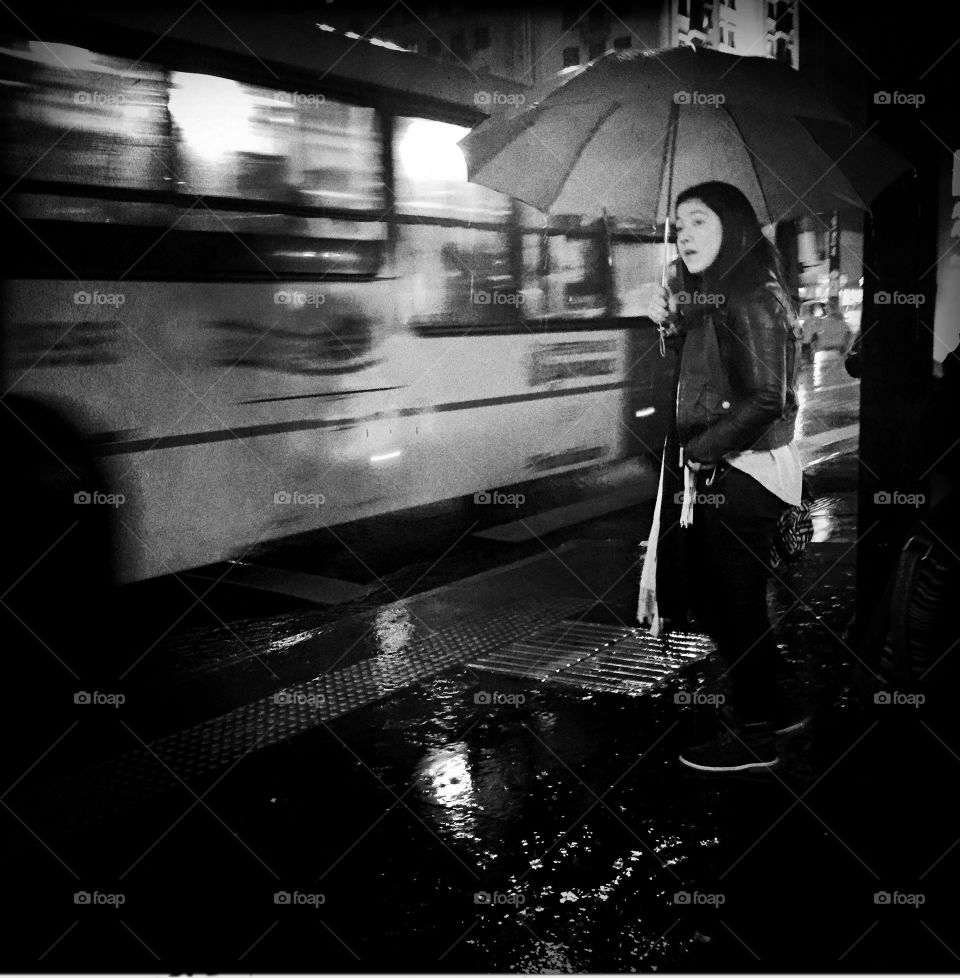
(789, 714)
(750, 747)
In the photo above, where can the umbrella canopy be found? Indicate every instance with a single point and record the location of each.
(627, 133)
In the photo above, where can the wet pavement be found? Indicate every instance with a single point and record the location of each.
(440, 818)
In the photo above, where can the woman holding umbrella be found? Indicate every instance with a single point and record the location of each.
(736, 408)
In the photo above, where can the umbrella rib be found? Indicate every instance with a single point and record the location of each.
(753, 165)
(583, 145)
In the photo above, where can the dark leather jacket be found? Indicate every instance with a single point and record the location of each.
(738, 375)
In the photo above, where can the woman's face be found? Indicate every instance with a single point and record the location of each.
(699, 233)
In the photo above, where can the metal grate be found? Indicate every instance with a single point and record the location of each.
(547, 651)
(589, 656)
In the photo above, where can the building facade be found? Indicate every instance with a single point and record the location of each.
(530, 44)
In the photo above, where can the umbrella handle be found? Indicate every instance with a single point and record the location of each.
(663, 281)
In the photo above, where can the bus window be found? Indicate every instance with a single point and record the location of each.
(636, 263)
(456, 276)
(569, 281)
(236, 140)
(82, 117)
(431, 175)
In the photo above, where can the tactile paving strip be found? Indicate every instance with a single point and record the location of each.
(115, 786)
(597, 657)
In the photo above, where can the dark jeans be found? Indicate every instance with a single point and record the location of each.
(728, 554)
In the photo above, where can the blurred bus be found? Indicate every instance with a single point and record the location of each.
(245, 267)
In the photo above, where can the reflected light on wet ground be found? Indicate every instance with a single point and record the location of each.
(393, 629)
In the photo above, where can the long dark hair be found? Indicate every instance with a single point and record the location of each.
(746, 259)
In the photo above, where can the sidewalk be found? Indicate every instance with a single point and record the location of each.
(458, 821)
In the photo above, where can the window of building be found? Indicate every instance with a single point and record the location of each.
(481, 38)
(732, 4)
(731, 39)
(571, 56)
(596, 49)
(622, 42)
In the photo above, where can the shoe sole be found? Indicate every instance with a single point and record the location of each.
(799, 725)
(749, 766)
